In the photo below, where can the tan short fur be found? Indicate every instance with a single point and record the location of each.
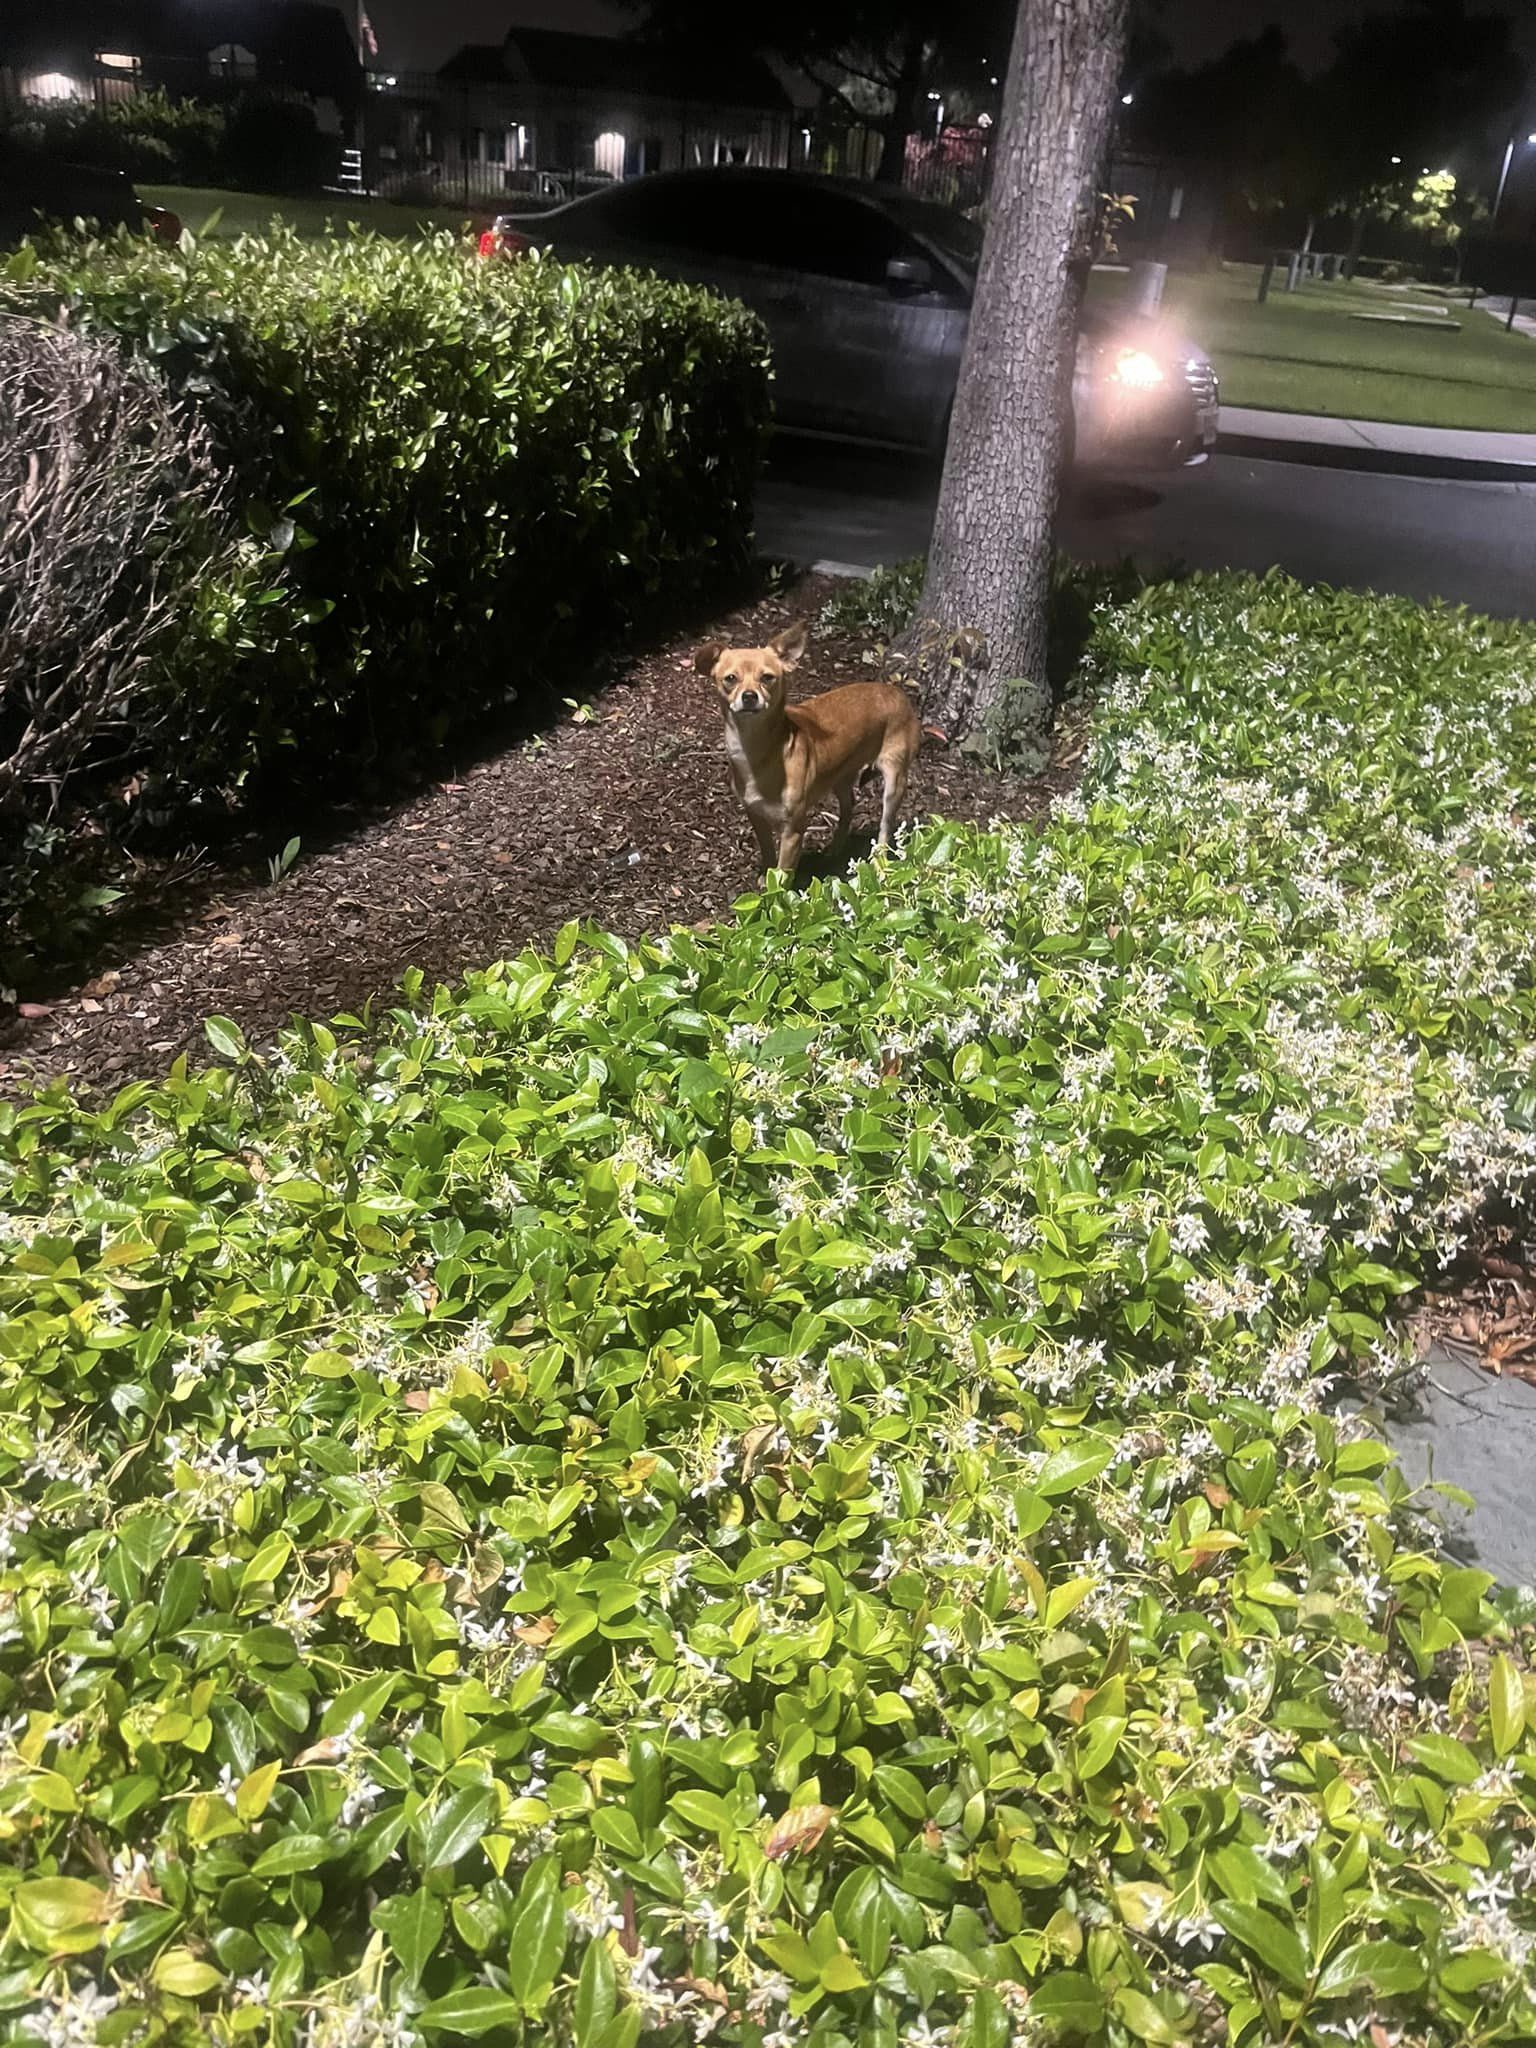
(787, 760)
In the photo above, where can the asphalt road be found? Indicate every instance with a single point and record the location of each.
(1473, 544)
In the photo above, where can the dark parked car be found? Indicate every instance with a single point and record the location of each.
(35, 188)
(866, 294)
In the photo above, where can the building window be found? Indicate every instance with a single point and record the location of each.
(118, 61)
(231, 60)
(608, 154)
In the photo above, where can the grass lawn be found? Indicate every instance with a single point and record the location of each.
(249, 212)
(1301, 352)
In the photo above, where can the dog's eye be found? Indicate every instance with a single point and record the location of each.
(730, 682)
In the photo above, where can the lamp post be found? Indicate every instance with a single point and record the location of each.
(1509, 157)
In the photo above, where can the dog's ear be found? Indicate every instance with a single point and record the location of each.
(704, 661)
(790, 644)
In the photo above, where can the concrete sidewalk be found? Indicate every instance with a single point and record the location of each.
(1377, 445)
(1475, 1431)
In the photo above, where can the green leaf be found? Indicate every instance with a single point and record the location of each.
(1386, 1966)
(1277, 1945)
(471, 2010)
(1506, 1705)
(538, 1945)
(1446, 1757)
(254, 1792)
(1461, 1596)
(842, 1973)
(181, 1592)
(619, 1829)
(704, 1810)
(59, 1915)
(596, 1993)
(452, 1826)
(226, 1038)
(1067, 2002)
(1066, 1470)
(293, 1853)
(1145, 2020)
(578, 1732)
(413, 1923)
(179, 1972)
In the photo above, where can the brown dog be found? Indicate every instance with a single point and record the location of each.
(786, 760)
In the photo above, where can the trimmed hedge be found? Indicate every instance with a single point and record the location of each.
(461, 471)
(148, 136)
(779, 1486)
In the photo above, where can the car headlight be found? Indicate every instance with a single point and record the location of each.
(1135, 368)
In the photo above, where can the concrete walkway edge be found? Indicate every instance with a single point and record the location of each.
(1378, 446)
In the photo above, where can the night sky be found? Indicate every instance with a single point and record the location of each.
(421, 34)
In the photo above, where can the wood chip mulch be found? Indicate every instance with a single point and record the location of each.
(624, 815)
(1484, 1308)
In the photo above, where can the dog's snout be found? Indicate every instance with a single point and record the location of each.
(751, 700)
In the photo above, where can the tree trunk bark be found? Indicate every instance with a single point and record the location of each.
(977, 647)
(904, 113)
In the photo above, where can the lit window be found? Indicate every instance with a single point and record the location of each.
(116, 60)
(608, 154)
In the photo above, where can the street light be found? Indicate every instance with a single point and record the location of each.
(1127, 99)
(1498, 198)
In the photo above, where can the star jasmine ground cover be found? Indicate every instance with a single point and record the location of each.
(787, 1484)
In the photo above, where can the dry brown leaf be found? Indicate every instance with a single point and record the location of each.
(703, 1987)
(798, 1831)
(330, 1749)
(754, 1442)
(537, 1633)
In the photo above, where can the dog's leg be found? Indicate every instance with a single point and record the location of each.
(844, 817)
(765, 841)
(789, 841)
(894, 767)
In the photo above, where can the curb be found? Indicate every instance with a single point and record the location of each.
(1469, 469)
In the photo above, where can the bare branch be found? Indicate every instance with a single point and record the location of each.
(111, 510)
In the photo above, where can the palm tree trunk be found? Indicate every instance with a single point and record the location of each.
(977, 646)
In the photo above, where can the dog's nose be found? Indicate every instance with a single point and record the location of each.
(749, 700)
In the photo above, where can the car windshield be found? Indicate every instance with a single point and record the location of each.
(955, 234)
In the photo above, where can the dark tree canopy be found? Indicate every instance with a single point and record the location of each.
(880, 59)
(1422, 85)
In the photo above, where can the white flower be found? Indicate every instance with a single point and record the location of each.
(71, 2020)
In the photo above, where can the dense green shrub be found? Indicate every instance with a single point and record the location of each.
(149, 136)
(778, 1486)
(274, 144)
(463, 470)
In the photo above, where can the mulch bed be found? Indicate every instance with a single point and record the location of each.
(1484, 1308)
(627, 819)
